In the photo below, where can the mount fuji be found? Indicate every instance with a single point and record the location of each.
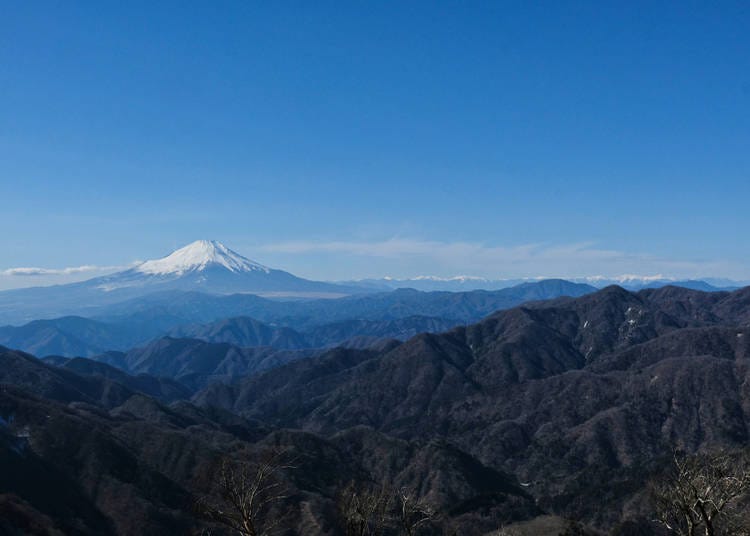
(205, 266)
(209, 266)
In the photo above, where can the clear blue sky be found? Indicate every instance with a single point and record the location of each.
(353, 139)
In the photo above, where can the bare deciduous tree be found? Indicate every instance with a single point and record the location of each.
(365, 512)
(701, 494)
(378, 509)
(244, 491)
(413, 512)
(505, 531)
(571, 528)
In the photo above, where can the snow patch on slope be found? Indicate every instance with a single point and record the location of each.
(198, 256)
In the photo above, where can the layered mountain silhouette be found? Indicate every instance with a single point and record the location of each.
(248, 320)
(545, 417)
(580, 398)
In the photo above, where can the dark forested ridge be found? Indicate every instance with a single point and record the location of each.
(542, 418)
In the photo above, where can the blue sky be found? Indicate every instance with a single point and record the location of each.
(350, 139)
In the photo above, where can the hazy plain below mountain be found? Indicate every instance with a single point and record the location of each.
(205, 265)
(282, 324)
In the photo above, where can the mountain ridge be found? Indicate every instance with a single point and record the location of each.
(397, 314)
(569, 406)
(604, 384)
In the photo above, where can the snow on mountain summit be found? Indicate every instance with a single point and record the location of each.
(198, 256)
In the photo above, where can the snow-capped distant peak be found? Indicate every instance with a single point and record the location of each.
(455, 278)
(627, 278)
(198, 256)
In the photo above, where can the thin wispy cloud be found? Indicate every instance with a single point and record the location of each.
(34, 271)
(526, 260)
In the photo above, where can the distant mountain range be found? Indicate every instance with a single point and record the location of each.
(463, 283)
(210, 268)
(248, 320)
(207, 292)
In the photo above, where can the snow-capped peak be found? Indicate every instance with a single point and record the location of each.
(198, 256)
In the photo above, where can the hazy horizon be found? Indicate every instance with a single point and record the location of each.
(24, 277)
